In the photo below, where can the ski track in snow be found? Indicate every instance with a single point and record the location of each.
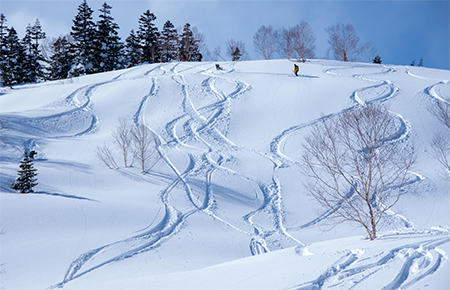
(384, 90)
(200, 134)
(216, 147)
(434, 92)
(418, 260)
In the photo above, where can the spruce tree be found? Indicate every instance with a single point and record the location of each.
(61, 60)
(36, 35)
(169, 41)
(109, 55)
(3, 32)
(27, 175)
(133, 50)
(377, 59)
(148, 36)
(13, 60)
(83, 47)
(189, 47)
(32, 69)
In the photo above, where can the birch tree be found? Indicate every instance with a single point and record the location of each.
(344, 43)
(355, 169)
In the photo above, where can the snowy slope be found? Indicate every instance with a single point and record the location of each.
(228, 187)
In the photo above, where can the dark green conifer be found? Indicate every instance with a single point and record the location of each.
(377, 59)
(27, 175)
(83, 47)
(61, 60)
(133, 50)
(13, 59)
(169, 41)
(149, 36)
(109, 54)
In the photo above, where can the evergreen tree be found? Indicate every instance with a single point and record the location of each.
(13, 60)
(421, 62)
(189, 47)
(377, 59)
(413, 63)
(133, 50)
(169, 40)
(3, 32)
(32, 69)
(108, 42)
(236, 54)
(148, 36)
(27, 175)
(61, 60)
(83, 47)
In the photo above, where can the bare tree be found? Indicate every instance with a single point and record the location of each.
(122, 137)
(265, 40)
(105, 155)
(299, 41)
(354, 168)
(144, 148)
(440, 144)
(236, 50)
(345, 43)
(217, 53)
(441, 110)
(285, 43)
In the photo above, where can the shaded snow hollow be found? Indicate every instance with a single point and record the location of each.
(225, 207)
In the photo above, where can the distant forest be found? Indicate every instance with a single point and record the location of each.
(93, 47)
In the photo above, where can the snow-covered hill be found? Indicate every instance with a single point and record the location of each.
(225, 207)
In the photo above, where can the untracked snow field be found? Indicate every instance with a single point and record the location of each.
(225, 207)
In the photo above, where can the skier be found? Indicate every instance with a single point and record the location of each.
(31, 154)
(296, 69)
(218, 67)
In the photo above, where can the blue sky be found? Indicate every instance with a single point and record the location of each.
(401, 30)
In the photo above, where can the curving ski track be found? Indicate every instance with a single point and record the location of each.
(418, 260)
(209, 154)
(383, 90)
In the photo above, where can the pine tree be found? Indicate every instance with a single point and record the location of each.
(133, 50)
(189, 48)
(148, 35)
(108, 41)
(169, 40)
(61, 60)
(83, 47)
(27, 175)
(413, 63)
(13, 60)
(377, 59)
(421, 62)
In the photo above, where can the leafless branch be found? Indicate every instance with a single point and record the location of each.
(123, 138)
(265, 40)
(105, 155)
(144, 148)
(353, 169)
(345, 43)
(236, 50)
